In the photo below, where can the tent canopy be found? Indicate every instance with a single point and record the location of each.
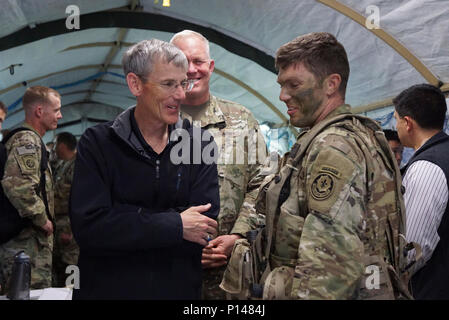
(84, 65)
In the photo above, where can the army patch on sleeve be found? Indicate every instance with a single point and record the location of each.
(322, 186)
(28, 164)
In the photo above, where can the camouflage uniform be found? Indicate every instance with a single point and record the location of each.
(227, 121)
(333, 223)
(20, 182)
(64, 254)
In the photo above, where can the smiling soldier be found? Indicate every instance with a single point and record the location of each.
(238, 180)
(326, 210)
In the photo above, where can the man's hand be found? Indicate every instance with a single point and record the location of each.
(218, 251)
(196, 226)
(48, 228)
(66, 237)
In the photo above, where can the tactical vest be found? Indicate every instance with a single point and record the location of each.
(270, 276)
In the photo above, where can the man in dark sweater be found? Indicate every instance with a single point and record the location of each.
(140, 216)
(420, 114)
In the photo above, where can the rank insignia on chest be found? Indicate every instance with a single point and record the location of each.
(323, 186)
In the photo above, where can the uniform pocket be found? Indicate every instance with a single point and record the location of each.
(278, 284)
(237, 275)
(288, 234)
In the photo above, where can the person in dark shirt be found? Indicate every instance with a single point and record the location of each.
(139, 215)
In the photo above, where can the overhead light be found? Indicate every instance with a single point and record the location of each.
(166, 3)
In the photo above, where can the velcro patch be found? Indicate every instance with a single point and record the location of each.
(329, 181)
(28, 149)
(28, 163)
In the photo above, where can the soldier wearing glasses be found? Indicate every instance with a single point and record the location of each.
(141, 220)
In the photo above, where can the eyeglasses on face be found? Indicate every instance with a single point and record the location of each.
(172, 85)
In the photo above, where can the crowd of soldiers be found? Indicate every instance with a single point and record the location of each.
(307, 226)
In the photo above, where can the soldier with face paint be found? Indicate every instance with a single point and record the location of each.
(328, 208)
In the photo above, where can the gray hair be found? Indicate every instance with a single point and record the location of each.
(141, 57)
(188, 34)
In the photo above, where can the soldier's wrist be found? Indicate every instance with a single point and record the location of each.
(39, 220)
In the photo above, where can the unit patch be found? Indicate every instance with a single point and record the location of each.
(30, 163)
(323, 186)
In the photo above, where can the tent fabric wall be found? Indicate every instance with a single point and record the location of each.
(244, 38)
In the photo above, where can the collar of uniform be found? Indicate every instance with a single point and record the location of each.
(212, 116)
(28, 126)
(344, 108)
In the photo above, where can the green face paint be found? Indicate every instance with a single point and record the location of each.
(307, 100)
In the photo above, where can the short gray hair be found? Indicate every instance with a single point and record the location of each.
(141, 57)
(189, 34)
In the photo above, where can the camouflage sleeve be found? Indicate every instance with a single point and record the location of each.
(248, 219)
(63, 183)
(22, 176)
(330, 263)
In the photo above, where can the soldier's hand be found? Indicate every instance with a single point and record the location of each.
(66, 238)
(215, 254)
(196, 226)
(48, 228)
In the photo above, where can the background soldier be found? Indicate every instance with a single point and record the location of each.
(326, 210)
(395, 144)
(3, 112)
(66, 250)
(238, 189)
(20, 183)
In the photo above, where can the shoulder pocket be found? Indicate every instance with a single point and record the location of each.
(330, 181)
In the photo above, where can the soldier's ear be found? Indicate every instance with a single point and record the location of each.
(332, 84)
(38, 111)
(211, 65)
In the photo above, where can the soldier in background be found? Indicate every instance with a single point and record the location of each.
(66, 250)
(238, 188)
(335, 206)
(3, 112)
(52, 158)
(20, 183)
(395, 144)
